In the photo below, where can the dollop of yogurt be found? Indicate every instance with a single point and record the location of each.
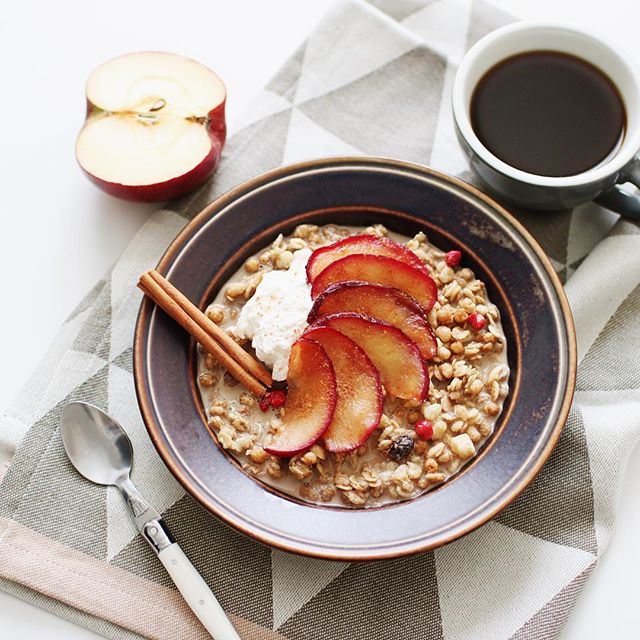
(276, 315)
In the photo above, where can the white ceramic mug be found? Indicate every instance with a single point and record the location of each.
(600, 183)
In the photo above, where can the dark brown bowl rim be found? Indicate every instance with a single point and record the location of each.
(247, 187)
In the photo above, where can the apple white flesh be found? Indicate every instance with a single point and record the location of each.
(155, 126)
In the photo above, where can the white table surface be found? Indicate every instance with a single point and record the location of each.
(60, 233)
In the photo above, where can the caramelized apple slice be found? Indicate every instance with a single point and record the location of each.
(323, 257)
(359, 402)
(397, 357)
(379, 270)
(380, 302)
(311, 400)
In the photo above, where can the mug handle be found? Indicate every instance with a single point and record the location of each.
(621, 201)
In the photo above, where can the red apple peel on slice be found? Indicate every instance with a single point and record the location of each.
(311, 400)
(361, 244)
(383, 303)
(359, 399)
(397, 358)
(155, 126)
(383, 270)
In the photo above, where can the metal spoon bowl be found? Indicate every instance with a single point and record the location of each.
(96, 445)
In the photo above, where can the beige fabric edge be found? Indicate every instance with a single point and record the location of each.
(30, 559)
(67, 612)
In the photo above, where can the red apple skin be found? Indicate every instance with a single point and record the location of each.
(383, 270)
(371, 334)
(362, 244)
(380, 302)
(311, 400)
(176, 187)
(356, 377)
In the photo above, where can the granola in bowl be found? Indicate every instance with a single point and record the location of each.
(419, 439)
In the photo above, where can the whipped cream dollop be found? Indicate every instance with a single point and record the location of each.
(276, 315)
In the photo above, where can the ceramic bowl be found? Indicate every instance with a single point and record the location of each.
(406, 198)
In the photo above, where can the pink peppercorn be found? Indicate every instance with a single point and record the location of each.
(277, 398)
(477, 321)
(452, 258)
(424, 429)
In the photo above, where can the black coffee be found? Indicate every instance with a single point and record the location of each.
(548, 113)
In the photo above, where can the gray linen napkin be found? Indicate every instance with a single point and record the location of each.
(373, 78)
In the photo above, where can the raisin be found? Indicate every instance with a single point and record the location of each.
(401, 447)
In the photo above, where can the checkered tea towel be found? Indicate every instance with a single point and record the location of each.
(372, 78)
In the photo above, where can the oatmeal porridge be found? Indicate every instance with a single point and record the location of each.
(415, 427)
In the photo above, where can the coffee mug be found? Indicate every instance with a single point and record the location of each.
(601, 183)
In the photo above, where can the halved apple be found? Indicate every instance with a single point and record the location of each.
(363, 244)
(397, 357)
(155, 126)
(359, 393)
(311, 399)
(390, 272)
(380, 302)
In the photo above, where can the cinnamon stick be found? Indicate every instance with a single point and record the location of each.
(152, 288)
(230, 346)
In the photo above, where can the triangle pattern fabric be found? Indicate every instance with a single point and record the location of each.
(371, 40)
(383, 600)
(612, 427)
(150, 242)
(88, 300)
(561, 498)
(47, 472)
(267, 104)
(485, 18)
(550, 620)
(296, 579)
(573, 267)
(600, 286)
(125, 360)
(94, 335)
(399, 9)
(85, 503)
(446, 153)
(285, 82)
(28, 406)
(359, 113)
(493, 564)
(308, 139)
(75, 368)
(625, 228)
(444, 24)
(600, 368)
(550, 228)
(589, 225)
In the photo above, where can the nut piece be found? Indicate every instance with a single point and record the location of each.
(215, 422)
(462, 446)
(252, 265)
(215, 313)
(431, 411)
(207, 379)
(234, 290)
(284, 260)
(258, 454)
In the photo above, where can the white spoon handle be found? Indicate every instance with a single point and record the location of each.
(196, 593)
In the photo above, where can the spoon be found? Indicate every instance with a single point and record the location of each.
(101, 451)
